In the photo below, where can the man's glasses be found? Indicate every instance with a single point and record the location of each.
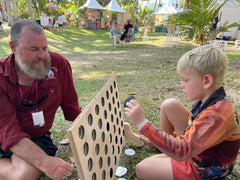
(29, 103)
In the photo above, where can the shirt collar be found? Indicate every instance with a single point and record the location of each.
(197, 108)
(9, 69)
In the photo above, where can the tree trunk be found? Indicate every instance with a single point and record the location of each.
(9, 12)
(30, 9)
(3, 10)
(14, 3)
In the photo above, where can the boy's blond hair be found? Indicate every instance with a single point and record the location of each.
(205, 60)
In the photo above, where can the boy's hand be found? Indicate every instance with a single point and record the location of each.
(134, 112)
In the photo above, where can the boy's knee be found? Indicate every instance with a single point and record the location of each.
(170, 103)
(142, 170)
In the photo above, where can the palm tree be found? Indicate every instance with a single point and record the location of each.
(198, 17)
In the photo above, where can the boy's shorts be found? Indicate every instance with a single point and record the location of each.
(184, 170)
(44, 142)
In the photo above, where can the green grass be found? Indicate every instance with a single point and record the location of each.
(147, 68)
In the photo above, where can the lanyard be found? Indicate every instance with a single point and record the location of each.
(21, 94)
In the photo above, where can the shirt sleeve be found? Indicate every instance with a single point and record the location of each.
(207, 131)
(10, 130)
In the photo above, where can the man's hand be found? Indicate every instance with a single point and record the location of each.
(56, 168)
(134, 112)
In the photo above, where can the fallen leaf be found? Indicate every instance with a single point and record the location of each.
(80, 78)
(72, 159)
(85, 97)
(132, 93)
(100, 61)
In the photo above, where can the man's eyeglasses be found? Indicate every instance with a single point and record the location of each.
(29, 103)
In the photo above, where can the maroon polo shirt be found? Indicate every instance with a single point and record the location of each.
(57, 89)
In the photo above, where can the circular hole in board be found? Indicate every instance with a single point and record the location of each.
(116, 139)
(114, 129)
(94, 176)
(85, 149)
(111, 89)
(121, 140)
(81, 132)
(111, 172)
(112, 118)
(108, 126)
(105, 114)
(103, 101)
(106, 149)
(110, 138)
(103, 136)
(113, 149)
(115, 160)
(103, 175)
(97, 149)
(97, 109)
(115, 111)
(100, 123)
(90, 119)
(114, 84)
(118, 104)
(113, 100)
(100, 162)
(116, 94)
(94, 134)
(107, 94)
(108, 161)
(117, 121)
(109, 106)
(90, 164)
(120, 114)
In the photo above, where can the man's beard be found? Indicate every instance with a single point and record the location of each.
(39, 71)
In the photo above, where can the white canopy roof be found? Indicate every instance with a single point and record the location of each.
(166, 9)
(231, 3)
(114, 6)
(92, 4)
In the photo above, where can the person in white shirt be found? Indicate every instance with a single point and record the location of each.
(60, 22)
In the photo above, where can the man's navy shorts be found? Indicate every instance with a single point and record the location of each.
(44, 142)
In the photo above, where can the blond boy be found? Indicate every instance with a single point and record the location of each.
(202, 143)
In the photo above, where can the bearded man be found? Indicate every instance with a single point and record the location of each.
(34, 82)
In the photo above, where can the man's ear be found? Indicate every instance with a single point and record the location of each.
(207, 81)
(12, 46)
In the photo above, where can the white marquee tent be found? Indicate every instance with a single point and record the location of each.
(166, 9)
(114, 7)
(230, 12)
(92, 4)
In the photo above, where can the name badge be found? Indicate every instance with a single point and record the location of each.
(38, 118)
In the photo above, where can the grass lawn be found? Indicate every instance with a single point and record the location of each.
(147, 68)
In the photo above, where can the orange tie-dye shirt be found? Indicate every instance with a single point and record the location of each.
(211, 140)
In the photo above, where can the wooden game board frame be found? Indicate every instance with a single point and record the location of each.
(89, 148)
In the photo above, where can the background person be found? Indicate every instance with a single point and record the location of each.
(34, 82)
(202, 143)
(1, 21)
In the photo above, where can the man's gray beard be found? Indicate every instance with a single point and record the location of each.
(36, 73)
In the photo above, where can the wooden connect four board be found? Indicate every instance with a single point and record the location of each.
(97, 135)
